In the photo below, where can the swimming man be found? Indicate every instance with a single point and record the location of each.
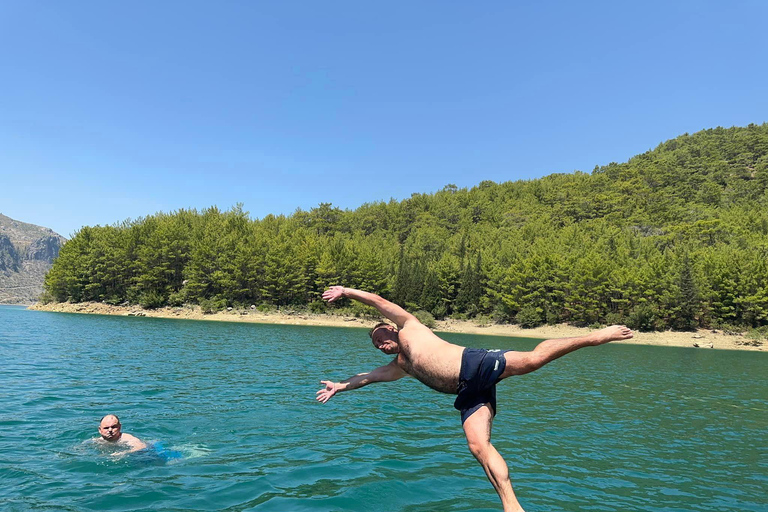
(112, 434)
(472, 374)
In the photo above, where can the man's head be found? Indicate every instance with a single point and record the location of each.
(110, 428)
(384, 338)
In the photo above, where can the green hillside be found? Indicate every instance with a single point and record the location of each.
(676, 237)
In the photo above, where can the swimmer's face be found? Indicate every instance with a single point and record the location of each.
(385, 339)
(109, 428)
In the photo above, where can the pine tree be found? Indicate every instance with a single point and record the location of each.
(684, 316)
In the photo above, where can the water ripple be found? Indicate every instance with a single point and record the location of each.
(614, 428)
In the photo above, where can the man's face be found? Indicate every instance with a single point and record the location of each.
(385, 339)
(109, 428)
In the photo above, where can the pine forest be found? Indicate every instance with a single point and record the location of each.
(675, 238)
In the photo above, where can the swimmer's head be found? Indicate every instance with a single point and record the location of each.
(384, 337)
(110, 428)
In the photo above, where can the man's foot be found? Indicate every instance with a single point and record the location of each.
(611, 333)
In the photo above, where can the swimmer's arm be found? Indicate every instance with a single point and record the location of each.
(389, 309)
(386, 373)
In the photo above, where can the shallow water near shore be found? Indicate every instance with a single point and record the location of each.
(619, 427)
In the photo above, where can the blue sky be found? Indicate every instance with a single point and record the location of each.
(116, 110)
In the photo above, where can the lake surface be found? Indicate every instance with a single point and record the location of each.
(613, 428)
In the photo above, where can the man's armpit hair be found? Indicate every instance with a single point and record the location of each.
(380, 324)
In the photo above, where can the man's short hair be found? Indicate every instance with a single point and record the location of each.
(380, 324)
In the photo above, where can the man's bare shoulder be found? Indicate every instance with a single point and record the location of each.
(414, 326)
(132, 441)
(417, 330)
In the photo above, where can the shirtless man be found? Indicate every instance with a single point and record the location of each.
(472, 374)
(112, 435)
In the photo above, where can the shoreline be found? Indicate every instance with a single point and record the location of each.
(703, 338)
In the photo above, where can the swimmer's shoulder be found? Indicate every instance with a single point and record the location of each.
(132, 441)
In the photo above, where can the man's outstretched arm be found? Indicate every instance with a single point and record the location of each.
(386, 373)
(386, 308)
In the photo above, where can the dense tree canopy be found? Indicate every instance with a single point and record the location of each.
(674, 238)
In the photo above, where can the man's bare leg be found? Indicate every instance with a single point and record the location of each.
(520, 363)
(477, 428)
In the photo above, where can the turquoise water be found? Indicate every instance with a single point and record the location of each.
(615, 428)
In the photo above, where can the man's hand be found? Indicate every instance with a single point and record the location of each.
(389, 309)
(330, 388)
(333, 293)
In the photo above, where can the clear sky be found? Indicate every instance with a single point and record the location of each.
(116, 110)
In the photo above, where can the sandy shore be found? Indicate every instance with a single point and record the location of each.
(704, 339)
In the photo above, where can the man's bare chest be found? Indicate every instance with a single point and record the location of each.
(438, 371)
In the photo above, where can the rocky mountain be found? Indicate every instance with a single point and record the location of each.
(26, 254)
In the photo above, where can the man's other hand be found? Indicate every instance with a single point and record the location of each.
(327, 392)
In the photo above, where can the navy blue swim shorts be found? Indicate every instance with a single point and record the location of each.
(480, 371)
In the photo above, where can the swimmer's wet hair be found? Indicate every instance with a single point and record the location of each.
(380, 324)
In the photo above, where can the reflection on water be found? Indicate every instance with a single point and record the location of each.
(232, 424)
